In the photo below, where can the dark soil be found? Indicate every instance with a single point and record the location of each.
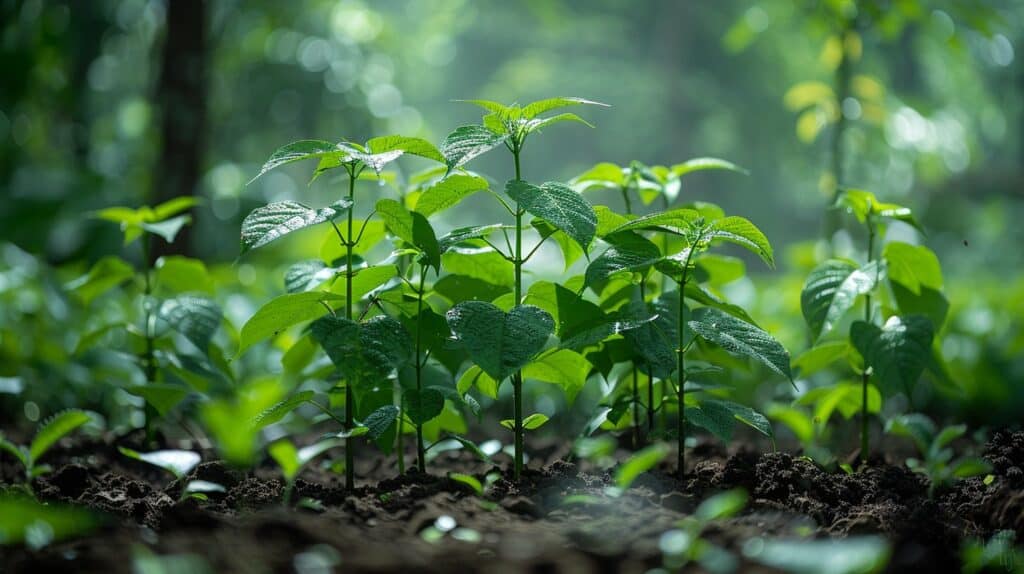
(379, 527)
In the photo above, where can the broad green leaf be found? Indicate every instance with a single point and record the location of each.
(720, 418)
(741, 338)
(568, 309)
(557, 204)
(194, 316)
(298, 151)
(640, 463)
(462, 234)
(845, 397)
(414, 146)
(229, 419)
(607, 220)
(820, 356)
(475, 377)
(897, 352)
(562, 367)
(854, 555)
(270, 222)
(34, 524)
(721, 506)
(797, 420)
(286, 456)
(675, 221)
(741, 231)
(831, 290)
(283, 312)
(594, 334)
(369, 234)
(718, 270)
(705, 163)
(375, 161)
(308, 275)
(54, 429)
(929, 302)
(479, 263)
(448, 192)
(177, 462)
(105, 275)
(467, 142)
(173, 207)
(863, 204)
(413, 228)
(656, 342)
(277, 412)
(380, 420)
(699, 294)
(365, 280)
(534, 109)
(627, 251)
(541, 123)
(167, 229)
(913, 266)
(571, 251)
(178, 274)
(459, 288)
(601, 176)
(367, 352)
(500, 343)
(162, 397)
(422, 405)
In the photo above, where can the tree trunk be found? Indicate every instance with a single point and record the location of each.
(181, 97)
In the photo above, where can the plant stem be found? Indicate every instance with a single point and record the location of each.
(350, 443)
(625, 200)
(421, 455)
(399, 442)
(149, 359)
(680, 391)
(865, 377)
(517, 378)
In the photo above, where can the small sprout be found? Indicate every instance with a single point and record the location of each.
(532, 422)
(468, 480)
(292, 460)
(638, 464)
(54, 429)
(684, 544)
(936, 460)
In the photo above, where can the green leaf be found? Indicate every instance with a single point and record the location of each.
(283, 312)
(721, 506)
(411, 227)
(741, 231)
(277, 412)
(500, 343)
(196, 317)
(162, 397)
(627, 251)
(479, 263)
(468, 480)
(917, 427)
(365, 280)
(699, 294)
(534, 109)
(380, 420)
(741, 338)
(334, 253)
(34, 524)
(54, 429)
(820, 356)
(854, 555)
(448, 192)
(601, 176)
(491, 106)
(459, 288)
(913, 266)
(270, 222)
(607, 220)
(720, 418)
(571, 251)
(367, 352)
(705, 163)
(562, 367)
(532, 422)
(538, 124)
(640, 463)
(863, 204)
(286, 456)
(897, 352)
(674, 221)
(298, 151)
(570, 311)
(656, 342)
(462, 234)
(308, 275)
(178, 274)
(177, 462)
(414, 146)
(105, 275)
(929, 302)
(14, 450)
(468, 142)
(422, 405)
(173, 207)
(557, 204)
(168, 229)
(831, 290)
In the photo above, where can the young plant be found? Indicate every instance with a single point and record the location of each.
(936, 460)
(500, 343)
(51, 431)
(293, 460)
(893, 344)
(685, 545)
(720, 323)
(179, 463)
(350, 345)
(194, 315)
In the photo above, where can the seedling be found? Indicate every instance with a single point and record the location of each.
(684, 544)
(481, 326)
(179, 463)
(342, 337)
(895, 354)
(936, 460)
(292, 460)
(49, 433)
(23, 520)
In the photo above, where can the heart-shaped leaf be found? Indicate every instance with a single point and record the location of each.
(897, 352)
(380, 420)
(367, 352)
(831, 290)
(559, 205)
(741, 338)
(273, 221)
(500, 343)
(423, 405)
(913, 266)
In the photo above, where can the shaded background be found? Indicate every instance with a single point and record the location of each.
(112, 102)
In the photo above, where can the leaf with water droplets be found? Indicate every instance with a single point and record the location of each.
(273, 221)
(500, 343)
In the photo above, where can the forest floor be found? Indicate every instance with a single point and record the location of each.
(380, 526)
